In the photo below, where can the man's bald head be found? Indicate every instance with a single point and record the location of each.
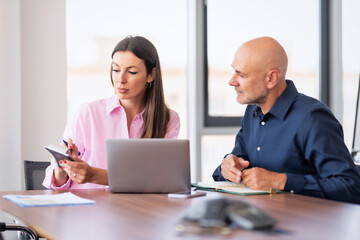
(259, 72)
(264, 54)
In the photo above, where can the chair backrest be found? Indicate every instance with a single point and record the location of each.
(34, 174)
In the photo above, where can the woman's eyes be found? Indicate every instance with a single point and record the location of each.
(117, 71)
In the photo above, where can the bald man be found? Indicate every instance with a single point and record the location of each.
(287, 141)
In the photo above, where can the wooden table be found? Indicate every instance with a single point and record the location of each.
(154, 216)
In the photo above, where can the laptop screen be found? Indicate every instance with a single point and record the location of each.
(148, 165)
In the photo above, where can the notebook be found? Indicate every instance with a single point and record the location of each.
(230, 187)
(148, 165)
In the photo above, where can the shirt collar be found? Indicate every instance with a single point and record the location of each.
(113, 103)
(283, 103)
(257, 111)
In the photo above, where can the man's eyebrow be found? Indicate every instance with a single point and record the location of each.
(238, 71)
(235, 69)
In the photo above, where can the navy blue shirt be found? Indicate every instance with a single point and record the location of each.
(300, 137)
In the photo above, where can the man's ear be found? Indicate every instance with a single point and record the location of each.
(272, 78)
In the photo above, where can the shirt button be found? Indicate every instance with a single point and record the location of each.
(263, 123)
(258, 148)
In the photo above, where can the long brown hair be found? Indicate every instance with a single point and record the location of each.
(156, 115)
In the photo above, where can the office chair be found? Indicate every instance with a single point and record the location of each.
(34, 174)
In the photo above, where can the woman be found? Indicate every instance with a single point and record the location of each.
(137, 110)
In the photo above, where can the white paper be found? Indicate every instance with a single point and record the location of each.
(61, 199)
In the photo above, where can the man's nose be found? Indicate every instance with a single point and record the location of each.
(233, 81)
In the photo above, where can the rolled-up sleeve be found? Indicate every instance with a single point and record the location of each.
(49, 179)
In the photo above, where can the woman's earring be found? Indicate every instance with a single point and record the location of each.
(149, 84)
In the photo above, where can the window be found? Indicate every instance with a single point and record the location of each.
(232, 22)
(351, 67)
(95, 27)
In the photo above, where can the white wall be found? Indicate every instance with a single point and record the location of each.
(10, 144)
(43, 80)
(33, 83)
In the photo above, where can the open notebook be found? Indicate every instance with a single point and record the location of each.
(230, 187)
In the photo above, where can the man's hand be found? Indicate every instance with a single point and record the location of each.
(232, 166)
(262, 179)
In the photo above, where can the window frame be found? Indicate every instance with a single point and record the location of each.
(211, 121)
(324, 67)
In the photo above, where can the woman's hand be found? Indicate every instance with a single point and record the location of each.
(60, 176)
(78, 170)
(81, 172)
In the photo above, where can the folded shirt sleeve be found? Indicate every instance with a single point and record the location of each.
(49, 179)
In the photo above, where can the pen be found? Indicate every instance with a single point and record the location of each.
(67, 145)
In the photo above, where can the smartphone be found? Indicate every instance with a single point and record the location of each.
(59, 153)
(183, 195)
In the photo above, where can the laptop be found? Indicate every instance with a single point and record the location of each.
(148, 165)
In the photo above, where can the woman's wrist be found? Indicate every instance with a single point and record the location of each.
(99, 176)
(60, 177)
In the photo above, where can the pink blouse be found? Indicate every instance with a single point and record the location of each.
(94, 123)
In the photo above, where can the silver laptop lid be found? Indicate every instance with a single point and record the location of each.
(148, 165)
